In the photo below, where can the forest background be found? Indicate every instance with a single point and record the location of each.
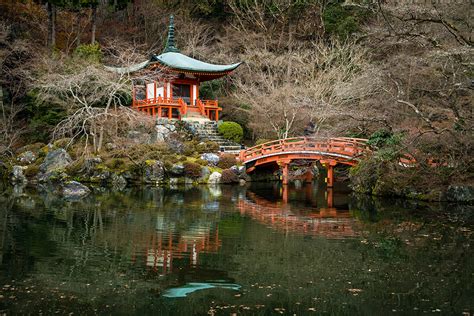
(397, 72)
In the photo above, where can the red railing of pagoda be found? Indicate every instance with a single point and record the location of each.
(155, 101)
(152, 106)
(200, 106)
(183, 106)
(343, 146)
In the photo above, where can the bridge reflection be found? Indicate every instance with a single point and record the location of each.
(315, 220)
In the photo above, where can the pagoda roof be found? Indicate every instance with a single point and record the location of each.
(177, 61)
(172, 60)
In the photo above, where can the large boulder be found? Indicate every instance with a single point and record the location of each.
(74, 190)
(215, 178)
(163, 131)
(238, 170)
(154, 172)
(54, 160)
(17, 176)
(26, 157)
(175, 143)
(212, 159)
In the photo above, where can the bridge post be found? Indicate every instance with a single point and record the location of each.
(330, 178)
(329, 198)
(285, 173)
(330, 169)
(308, 177)
(284, 194)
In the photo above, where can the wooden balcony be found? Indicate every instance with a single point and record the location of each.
(177, 108)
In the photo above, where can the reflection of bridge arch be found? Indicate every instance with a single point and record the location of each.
(329, 151)
(325, 222)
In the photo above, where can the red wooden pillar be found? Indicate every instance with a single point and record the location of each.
(330, 178)
(284, 194)
(308, 177)
(170, 112)
(330, 169)
(330, 198)
(285, 173)
(217, 115)
(159, 111)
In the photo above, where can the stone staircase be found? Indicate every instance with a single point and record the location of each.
(207, 130)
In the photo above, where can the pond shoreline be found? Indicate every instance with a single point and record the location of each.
(52, 167)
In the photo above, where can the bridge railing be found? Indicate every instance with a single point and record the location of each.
(353, 147)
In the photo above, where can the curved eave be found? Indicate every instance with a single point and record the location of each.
(202, 75)
(177, 62)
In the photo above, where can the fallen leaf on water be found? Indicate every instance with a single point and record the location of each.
(355, 290)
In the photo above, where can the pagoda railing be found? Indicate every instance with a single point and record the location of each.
(155, 106)
(200, 106)
(183, 106)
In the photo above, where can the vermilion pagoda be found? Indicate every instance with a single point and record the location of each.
(178, 97)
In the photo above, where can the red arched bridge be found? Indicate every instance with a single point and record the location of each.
(328, 151)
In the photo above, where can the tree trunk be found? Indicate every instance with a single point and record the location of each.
(51, 8)
(79, 29)
(94, 23)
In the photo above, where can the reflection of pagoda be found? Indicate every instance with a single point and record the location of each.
(326, 222)
(160, 248)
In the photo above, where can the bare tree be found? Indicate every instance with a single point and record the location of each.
(96, 100)
(322, 84)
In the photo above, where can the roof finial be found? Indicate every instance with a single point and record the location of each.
(170, 42)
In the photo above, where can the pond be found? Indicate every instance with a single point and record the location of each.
(263, 249)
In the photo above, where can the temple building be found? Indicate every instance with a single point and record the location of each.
(175, 92)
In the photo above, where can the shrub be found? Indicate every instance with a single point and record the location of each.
(211, 146)
(226, 161)
(90, 52)
(202, 162)
(384, 137)
(342, 21)
(190, 147)
(229, 176)
(231, 131)
(192, 170)
(207, 147)
(116, 163)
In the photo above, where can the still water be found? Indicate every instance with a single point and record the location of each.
(230, 250)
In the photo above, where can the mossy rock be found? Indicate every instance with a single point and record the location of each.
(31, 171)
(36, 147)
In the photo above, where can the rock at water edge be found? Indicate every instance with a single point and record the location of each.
(56, 159)
(214, 178)
(211, 158)
(74, 190)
